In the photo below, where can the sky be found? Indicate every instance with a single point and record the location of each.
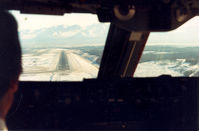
(34, 22)
(85, 29)
(70, 29)
(187, 35)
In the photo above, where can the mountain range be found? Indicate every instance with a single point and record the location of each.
(65, 35)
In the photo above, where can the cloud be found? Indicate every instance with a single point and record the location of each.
(65, 34)
(27, 35)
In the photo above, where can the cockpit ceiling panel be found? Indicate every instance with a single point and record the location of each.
(131, 15)
(60, 6)
(98, 4)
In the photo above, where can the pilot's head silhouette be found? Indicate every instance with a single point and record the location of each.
(10, 61)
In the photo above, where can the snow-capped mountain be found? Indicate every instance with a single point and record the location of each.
(65, 35)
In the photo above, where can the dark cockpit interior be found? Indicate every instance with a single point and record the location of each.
(115, 100)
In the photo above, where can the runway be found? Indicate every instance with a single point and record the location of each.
(59, 65)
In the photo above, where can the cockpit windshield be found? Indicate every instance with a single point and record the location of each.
(174, 53)
(70, 47)
(60, 48)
